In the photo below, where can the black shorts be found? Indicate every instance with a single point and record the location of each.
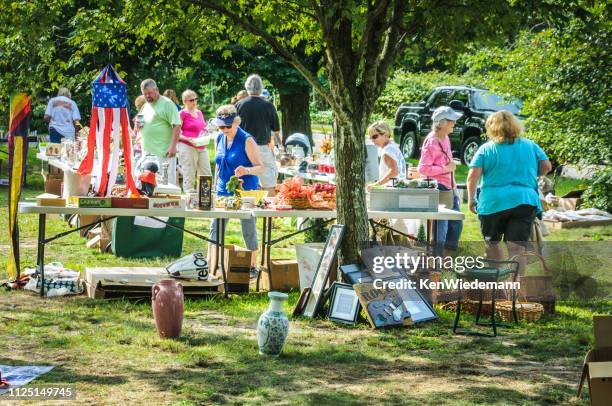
(514, 224)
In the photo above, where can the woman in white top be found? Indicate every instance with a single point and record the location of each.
(392, 163)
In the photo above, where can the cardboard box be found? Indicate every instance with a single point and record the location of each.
(48, 199)
(85, 220)
(54, 186)
(237, 263)
(138, 281)
(129, 202)
(570, 201)
(285, 275)
(164, 203)
(597, 368)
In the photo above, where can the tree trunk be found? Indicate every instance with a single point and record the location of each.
(296, 114)
(349, 155)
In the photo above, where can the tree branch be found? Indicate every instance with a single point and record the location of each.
(273, 42)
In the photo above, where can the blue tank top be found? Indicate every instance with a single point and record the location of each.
(227, 160)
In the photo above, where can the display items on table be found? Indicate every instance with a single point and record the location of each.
(323, 270)
(384, 306)
(407, 199)
(293, 193)
(90, 202)
(344, 304)
(166, 203)
(273, 326)
(49, 199)
(167, 301)
(204, 192)
(129, 203)
(53, 149)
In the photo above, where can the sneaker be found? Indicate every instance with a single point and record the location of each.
(253, 272)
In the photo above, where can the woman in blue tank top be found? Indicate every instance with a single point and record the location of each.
(236, 154)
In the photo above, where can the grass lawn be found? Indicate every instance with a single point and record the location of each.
(110, 351)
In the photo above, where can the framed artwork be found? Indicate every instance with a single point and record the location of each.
(344, 305)
(354, 273)
(384, 307)
(319, 280)
(299, 307)
(419, 308)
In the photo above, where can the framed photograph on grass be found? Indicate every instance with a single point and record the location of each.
(319, 280)
(344, 305)
(419, 308)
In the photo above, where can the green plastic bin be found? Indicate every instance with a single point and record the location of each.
(136, 241)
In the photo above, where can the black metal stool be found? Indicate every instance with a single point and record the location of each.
(495, 272)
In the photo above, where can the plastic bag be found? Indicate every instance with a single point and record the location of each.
(193, 266)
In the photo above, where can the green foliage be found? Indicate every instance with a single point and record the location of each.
(563, 78)
(405, 86)
(599, 193)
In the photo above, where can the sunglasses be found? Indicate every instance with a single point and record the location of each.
(192, 100)
(223, 127)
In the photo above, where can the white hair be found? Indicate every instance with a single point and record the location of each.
(436, 125)
(148, 84)
(254, 85)
(63, 92)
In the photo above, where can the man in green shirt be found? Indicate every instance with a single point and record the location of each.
(160, 128)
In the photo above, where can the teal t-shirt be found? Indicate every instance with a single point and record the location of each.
(509, 175)
(159, 117)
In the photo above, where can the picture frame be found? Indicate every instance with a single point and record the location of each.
(344, 305)
(313, 302)
(299, 307)
(420, 309)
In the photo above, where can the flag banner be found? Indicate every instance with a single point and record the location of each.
(19, 122)
(109, 120)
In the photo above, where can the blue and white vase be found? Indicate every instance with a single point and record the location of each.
(273, 326)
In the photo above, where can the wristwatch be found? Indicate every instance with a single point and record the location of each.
(248, 171)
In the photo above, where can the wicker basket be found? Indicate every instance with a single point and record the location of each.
(526, 311)
(299, 204)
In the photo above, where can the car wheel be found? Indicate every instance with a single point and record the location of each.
(468, 150)
(409, 145)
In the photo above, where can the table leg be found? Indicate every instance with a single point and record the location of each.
(42, 220)
(221, 241)
(269, 251)
(263, 242)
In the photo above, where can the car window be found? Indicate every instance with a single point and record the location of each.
(462, 96)
(492, 102)
(443, 98)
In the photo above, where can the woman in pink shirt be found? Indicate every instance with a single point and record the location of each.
(437, 163)
(192, 153)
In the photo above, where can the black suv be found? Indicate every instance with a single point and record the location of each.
(413, 120)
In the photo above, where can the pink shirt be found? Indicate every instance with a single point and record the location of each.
(435, 155)
(192, 126)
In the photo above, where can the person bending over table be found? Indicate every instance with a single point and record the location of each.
(236, 154)
(508, 166)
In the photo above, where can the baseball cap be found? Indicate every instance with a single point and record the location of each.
(224, 119)
(445, 113)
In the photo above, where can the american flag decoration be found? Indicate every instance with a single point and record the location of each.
(109, 117)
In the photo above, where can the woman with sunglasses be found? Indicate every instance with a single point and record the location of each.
(392, 163)
(193, 158)
(236, 154)
(437, 163)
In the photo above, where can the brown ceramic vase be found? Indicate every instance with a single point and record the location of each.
(167, 302)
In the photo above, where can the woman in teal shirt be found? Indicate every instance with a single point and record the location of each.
(508, 166)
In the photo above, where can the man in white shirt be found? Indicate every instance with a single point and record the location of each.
(63, 115)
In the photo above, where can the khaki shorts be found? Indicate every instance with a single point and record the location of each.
(270, 175)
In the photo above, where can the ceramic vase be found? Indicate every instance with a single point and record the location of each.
(167, 302)
(273, 326)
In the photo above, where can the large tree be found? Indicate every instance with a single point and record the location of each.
(361, 40)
